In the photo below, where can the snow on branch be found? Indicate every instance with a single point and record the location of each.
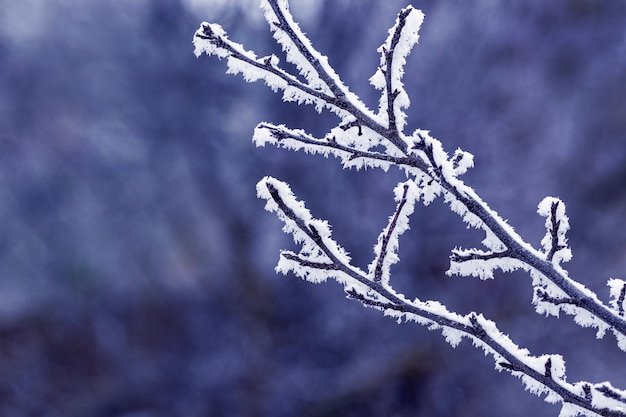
(557, 224)
(387, 246)
(212, 40)
(320, 258)
(366, 139)
(388, 78)
(310, 63)
(480, 263)
(341, 143)
(618, 295)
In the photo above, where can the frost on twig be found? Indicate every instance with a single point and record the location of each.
(387, 246)
(618, 295)
(321, 257)
(554, 242)
(364, 139)
(388, 78)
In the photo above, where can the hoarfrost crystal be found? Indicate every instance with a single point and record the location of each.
(366, 139)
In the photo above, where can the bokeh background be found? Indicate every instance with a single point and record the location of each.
(136, 264)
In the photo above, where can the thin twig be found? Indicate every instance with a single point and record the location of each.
(392, 93)
(382, 254)
(554, 232)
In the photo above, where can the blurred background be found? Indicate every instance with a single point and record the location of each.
(136, 264)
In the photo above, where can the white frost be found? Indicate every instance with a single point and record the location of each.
(313, 235)
(393, 53)
(311, 64)
(360, 141)
(386, 248)
(557, 223)
(616, 290)
(204, 45)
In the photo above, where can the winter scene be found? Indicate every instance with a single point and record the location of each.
(312, 208)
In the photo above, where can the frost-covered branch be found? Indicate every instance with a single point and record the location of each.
(212, 39)
(337, 142)
(364, 138)
(321, 257)
(388, 241)
(557, 225)
(402, 37)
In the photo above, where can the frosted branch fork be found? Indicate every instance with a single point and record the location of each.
(321, 257)
(365, 138)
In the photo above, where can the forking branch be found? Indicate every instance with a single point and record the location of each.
(364, 138)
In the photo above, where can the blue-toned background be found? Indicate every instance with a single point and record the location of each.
(136, 264)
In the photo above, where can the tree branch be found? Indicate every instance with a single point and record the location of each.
(433, 167)
(392, 93)
(539, 374)
(432, 172)
(387, 237)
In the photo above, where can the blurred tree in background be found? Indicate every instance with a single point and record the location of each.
(136, 265)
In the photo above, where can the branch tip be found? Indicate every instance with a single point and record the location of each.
(548, 368)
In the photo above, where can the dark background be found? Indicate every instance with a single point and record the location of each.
(136, 264)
